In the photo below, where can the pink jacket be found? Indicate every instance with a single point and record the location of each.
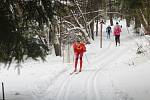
(117, 30)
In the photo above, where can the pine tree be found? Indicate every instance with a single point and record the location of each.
(20, 31)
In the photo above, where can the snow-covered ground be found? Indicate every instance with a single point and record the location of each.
(109, 73)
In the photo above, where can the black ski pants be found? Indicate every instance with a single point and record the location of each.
(117, 39)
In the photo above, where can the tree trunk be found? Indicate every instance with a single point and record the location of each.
(147, 30)
(96, 27)
(55, 40)
(128, 22)
(145, 22)
(137, 25)
(57, 49)
(111, 20)
(110, 15)
(92, 30)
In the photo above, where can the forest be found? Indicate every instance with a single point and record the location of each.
(32, 28)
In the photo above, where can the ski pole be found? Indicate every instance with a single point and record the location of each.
(3, 91)
(87, 59)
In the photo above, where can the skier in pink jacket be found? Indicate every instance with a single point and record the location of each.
(116, 33)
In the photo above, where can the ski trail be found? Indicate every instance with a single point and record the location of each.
(113, 91)
(93, 83)
(67, 88)
(73, 92)
(100, 72)
(89, 82)
(63, 88)
(100, 55)
(38, 93)
(93, 94)
(90, 88)
(63, 85)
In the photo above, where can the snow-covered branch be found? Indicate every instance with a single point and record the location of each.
(77, 21)
(144, 18)
(81, 30)
(84, 13)
(72, 25)
(77, 4)
(94, 19)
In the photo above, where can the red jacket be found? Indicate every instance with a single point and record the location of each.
(79, 47)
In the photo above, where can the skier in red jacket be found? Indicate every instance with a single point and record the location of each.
(79, 49)
(117, 31)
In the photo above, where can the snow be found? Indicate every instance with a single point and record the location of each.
(109, 73)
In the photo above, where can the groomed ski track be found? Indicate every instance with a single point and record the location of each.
(94, 82)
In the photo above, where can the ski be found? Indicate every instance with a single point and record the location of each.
(77, 72)
(72, 73)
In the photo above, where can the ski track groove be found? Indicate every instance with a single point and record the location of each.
(63, 87)
(89, 96)
(68, 89)
(93, 77)
(105, 50)
(66, 93)
(59, 84)
(46, 91)
(106, 64)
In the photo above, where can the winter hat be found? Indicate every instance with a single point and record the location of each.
(79, 38)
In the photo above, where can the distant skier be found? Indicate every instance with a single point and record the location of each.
(108, 31)
(116, 33)
(79, 49)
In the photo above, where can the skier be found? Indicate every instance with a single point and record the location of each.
(116, 33)
(79, 49)
(108, 31)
